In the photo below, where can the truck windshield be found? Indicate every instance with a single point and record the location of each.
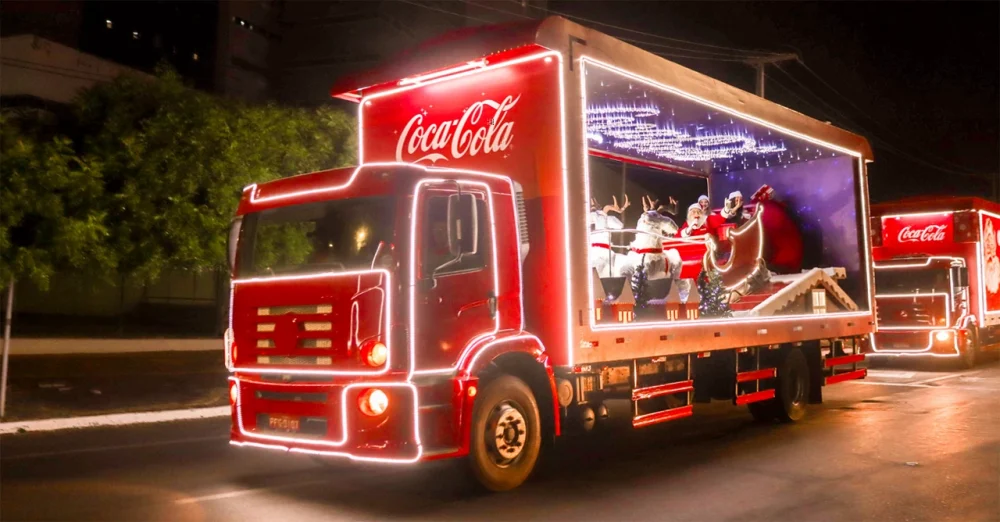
(912, 280)
(328, 235)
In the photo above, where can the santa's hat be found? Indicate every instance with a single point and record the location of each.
(735, 194)
(694, 206)
(702, 198)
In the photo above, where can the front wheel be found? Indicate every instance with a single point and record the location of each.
(506, 434)
(969, 349)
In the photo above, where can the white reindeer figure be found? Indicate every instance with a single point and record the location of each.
(602, 256)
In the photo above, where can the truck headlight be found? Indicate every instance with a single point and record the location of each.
(373, 402)
(942, 335)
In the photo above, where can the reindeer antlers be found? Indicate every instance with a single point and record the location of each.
(615, 208)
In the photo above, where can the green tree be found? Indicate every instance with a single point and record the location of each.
(50, 209)
(176, 159)
(714, 297)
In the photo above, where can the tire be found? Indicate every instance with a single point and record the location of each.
(792, 389)
(969, 351)
(506, 434)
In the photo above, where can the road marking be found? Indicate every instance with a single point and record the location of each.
(251, 491)
(944, 377)
(113, 448)
(918, 385)
(118, 419)
(891, 374)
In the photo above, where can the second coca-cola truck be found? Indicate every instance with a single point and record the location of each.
(937, 278)
(487, 279)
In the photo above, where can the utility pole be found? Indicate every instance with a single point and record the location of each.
(761, 62)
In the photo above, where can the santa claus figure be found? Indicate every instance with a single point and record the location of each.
(695, 224)
(733, 212)
(647, 248)
(693, 227)
(602, 256)
(703, 204)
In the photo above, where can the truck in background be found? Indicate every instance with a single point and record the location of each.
(937, 278)
(463, 292)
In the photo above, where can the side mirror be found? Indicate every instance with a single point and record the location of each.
(960, 276)
(463, 225)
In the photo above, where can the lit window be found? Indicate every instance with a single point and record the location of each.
(135, 35)
(108, 23)
(194, 57)
(819, 301)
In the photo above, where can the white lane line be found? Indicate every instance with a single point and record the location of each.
(891, 374)
(251, 491)
(945, 377)
(918, 385)
(118, 419)
(113, 448)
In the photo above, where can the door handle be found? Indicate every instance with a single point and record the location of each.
(491, 301)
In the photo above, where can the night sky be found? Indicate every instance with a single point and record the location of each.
(920, 80)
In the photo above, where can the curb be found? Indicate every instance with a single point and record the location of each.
(118, 419)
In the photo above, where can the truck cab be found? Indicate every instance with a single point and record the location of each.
(326, 339)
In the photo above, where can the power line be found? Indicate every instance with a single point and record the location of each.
(453, 13)
(857, 128)
(635, 31)
(863, 112)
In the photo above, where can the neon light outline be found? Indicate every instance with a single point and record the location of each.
(345, 431)
(420, 79)
(413, 260)
(924, 351)
(319, 275)
(981, 260)
(584, 60)
(947, 309)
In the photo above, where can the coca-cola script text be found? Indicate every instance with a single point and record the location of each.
(922, 235)
(470, 134)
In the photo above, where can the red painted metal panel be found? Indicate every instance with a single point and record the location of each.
(762, 395)
(766, 373)
(662, 416)
(848, 376)
(659, 390)
(846, 359)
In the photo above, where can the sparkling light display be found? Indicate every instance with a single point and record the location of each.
(634, 128)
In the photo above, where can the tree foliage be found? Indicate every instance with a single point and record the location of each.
(175, 161)
(50, 212)
(714, 297)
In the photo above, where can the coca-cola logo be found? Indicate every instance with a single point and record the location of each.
(477, 131)
(921, 235)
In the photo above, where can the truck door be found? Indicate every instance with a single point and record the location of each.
(455, 294)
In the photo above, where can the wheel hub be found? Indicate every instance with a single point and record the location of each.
(506, 439)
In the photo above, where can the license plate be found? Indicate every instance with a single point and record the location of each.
(283, 423)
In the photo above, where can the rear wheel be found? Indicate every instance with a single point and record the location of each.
(792, 390)
(506, 434)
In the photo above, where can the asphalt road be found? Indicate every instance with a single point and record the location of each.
(904, 445)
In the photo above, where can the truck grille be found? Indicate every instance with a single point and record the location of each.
(918, 311)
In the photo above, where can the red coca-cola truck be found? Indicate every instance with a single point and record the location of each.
(476, 287)
(937, 278)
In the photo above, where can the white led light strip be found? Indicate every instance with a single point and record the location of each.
(344, 423)
(981, 260)
(585, 61)
(386, 309)
(547, 57)
(922, 352)
(947, 309)
(413, 263)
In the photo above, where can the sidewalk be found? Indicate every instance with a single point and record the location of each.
(61, 386)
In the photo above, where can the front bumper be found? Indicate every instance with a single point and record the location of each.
(327, 418)
(943, 342)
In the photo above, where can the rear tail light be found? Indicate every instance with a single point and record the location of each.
(876, 231)
(966, 226)
(373, 402)
(233, 393)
